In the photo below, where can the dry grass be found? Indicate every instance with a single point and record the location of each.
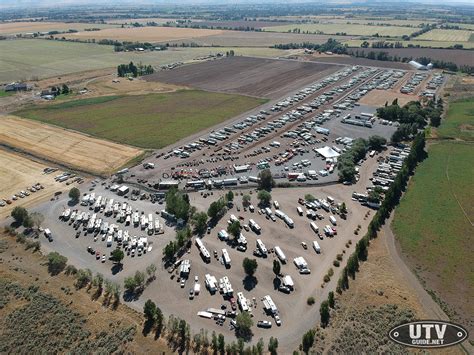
(146, 34)
(66, 147)
(11, 28)
(16, 174)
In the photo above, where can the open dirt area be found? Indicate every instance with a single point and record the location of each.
(17, 173)
(144, 34)
(65, 147)
(249, 76)
(11, 28)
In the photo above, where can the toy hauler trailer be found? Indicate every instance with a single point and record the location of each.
(261, 246)
(254, 226)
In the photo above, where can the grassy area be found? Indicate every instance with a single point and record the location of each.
(6, 93)
(36, 58)
(446, 35)
(349, 29)
(433, 222)
(148, 121)
(460, 123)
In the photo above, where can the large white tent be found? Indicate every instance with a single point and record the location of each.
(328, 152)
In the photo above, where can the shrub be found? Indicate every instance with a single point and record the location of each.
(56, 263)
(330, 272)
(310, 301)
(326, 278)
(336, 263)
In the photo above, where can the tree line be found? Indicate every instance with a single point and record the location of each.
(134, 70)
(331, 45)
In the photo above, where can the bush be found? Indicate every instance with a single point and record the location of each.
(310, 301)
(336, 263)
(326, 278)
(330, 272)
(339, 257)
(56, 263)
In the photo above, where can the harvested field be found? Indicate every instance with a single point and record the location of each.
(35, 58)
(258, 39)
(378, 98)
(236, 24)
(457, 56)
(65, 147)
(144, 34)
(149, 121)
(447, 35)
(12, 28)
(18, 173)
(340, 59)
(250, 76)
(347, 29)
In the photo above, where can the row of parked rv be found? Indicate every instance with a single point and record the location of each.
(123, 213)
(413, 83)
(105, 231)
(435, 82)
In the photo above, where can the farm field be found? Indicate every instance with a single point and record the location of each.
(144, 34)
(17, 173)
(258, 39)
(27, 59)
(431, 218)
(447, 35)
(69, 148)
(351, 29)
(12, 28)
(236, 24)
(158, 120)
(420, 43)
(244, 75)
(457, 56)
(460, 123)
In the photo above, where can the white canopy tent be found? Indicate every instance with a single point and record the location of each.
(328, 152)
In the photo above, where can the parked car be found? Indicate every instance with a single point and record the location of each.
(264, 324)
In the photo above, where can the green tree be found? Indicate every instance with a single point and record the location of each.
(377, 142)
(221, 344)
(149, 311)
(273, 346)
(264, 197)
(308, 340)
(234, 229)
(19, 214)
(276, 267)
(331, 301)
(65, 89)
(230, 196)
(250, 266)
(151, 271)
(56, 263)
(324, 313)
(37, 219)
(199, 221)
(244, 325)
(309, 197)
(343, 208)
(266, 181)
(246, 200)
(130, 284)
(28, 222)
(352, 265)
(169, 250)
(216, 209)
(83, 278)
(177, 203)
(117, 256)
(74, 194)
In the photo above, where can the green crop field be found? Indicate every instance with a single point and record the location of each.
(434, 221)
(349, 29)
(36, 58)
(446, 35)
(461, 121)
(148, 121)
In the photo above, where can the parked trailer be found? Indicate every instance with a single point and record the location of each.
(226, 257)
(289, 221)
(279, 253)
(332, 219)
(211, 283)
(316, 247)
(314, 227)
(242, 301)
(203, 250)
(299, 210)
(254, 226)
(261, 246)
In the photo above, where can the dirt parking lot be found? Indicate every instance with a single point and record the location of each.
(17, 173)
(69, 148)
(249, 76)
